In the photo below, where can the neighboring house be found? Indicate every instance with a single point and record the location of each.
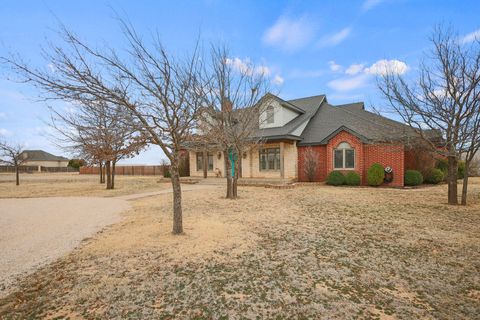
(344, 137)
(40, 158)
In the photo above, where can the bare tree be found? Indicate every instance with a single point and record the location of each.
(12, 155)
(444, 98)
(310, 164)
(472, 131)
(235, 98)
(103, 132)
(160, 91)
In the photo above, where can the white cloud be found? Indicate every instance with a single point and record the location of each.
(335, 38)
(359, 75)
(369, 4)
(347, 84)
(354, 69)
(278, 80)
(245, 66)
(382, 67)
(472, 36)
(4, 132)
(334, 66)
(289, 34)
(51, 67)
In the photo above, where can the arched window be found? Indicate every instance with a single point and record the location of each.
(344, 156)
(270, 114)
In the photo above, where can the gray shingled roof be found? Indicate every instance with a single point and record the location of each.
(368, 126)
(308, 105)
(40, 155)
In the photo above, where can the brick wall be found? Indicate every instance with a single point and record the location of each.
(421, 160)
(365, 156)
(321, 152)
(355, 143)
(388, 156)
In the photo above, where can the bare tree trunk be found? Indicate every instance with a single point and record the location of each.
(177, 199)
(228, 174)
(109, 175)
(102, 173)
(205, 164)
(235, 179)
(17, 176)
(465, 183)
(112, 183)
(452, 180)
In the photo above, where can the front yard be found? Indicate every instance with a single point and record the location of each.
(308, 252)
(74, 184)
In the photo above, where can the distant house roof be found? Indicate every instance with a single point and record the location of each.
(40, 155)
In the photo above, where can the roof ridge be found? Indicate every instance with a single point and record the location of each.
(308, 97)
(369, 120)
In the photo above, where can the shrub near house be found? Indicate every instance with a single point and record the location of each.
(413, 178)
(375, 175)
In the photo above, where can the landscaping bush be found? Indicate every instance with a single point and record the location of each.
(413, 178)
(352, 179)
(435, 176)
(442, 164)
(167, 174)
(335, 178)
(375, 175)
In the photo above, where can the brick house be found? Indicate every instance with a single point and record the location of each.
(344, 137)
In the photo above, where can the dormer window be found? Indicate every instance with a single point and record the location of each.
(270, 114)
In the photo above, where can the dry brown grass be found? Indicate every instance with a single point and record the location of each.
(308, 252)
(73, 184)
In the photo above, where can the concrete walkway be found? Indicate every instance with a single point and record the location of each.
(185, 188)
(37, 231)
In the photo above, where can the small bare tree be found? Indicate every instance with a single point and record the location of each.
(234, 102)
(444, 98)
(161, 92)
(12, 155)
(310, 163)
(103, 132)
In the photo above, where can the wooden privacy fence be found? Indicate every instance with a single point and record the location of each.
(33, 169)
(129, 170)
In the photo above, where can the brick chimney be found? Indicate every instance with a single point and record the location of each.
(226, 105)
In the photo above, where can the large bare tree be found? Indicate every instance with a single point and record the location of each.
(11, 154)
(235, 98)
(161, 91)
(101, 132)
(444, 97)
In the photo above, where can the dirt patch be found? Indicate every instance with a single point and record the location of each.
(308, 252)
(35, 231)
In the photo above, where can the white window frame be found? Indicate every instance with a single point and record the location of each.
(344, 146)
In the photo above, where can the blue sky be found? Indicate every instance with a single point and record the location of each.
(308, 47)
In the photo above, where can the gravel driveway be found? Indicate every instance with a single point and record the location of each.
(36, 231)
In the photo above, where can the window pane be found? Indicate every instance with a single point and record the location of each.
(271, 159)
(338, 159)
(270, 114)
(199, 161)
(210, 161)
(350, 158)
(344, 145)
(263, 160)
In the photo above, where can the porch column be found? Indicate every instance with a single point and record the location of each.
(282, 154)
